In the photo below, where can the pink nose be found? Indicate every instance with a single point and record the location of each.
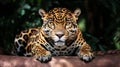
(59, 35)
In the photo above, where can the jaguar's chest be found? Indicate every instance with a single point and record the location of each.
(70, 50)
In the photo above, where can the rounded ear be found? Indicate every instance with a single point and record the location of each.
(42, 12)
(77, 12)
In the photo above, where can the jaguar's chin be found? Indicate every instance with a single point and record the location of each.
(59, 43)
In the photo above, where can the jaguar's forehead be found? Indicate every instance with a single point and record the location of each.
(59, 10)
(59, 13)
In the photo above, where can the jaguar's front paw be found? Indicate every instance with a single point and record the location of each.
(86, 56)
(45, 58)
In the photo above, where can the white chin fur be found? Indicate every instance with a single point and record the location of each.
(59, 43)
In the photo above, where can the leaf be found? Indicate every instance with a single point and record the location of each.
(27, 6)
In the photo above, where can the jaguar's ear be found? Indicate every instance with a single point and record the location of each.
(77, 12)
(42, 12)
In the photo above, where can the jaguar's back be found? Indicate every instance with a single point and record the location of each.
(21, 41)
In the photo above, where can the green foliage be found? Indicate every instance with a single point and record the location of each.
(116, 39)
(81, 24)
(112, 21)
(17, 16)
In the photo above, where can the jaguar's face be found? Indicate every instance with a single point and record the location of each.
(60, 25)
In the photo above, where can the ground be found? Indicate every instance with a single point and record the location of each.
(107, 60)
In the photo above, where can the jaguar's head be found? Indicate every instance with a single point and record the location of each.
(60, 26)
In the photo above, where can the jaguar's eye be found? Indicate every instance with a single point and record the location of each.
(46, 31)
(72, 31)
(68, 19)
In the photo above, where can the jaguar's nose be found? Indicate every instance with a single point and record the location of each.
(59, 34)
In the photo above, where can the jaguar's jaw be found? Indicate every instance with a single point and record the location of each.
(59, 45)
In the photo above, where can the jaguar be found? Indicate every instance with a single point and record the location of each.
(59, 35)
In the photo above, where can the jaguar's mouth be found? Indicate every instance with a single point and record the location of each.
(59, 43)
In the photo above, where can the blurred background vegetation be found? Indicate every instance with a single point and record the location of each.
(99, 21)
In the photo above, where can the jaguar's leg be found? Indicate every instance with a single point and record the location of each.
(85, 52)
(40, 53)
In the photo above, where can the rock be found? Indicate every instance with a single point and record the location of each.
(60, 61)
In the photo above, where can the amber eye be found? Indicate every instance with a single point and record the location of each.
(68, 19)
(72, 31)
(46, 31)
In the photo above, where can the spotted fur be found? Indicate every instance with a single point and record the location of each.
(58, 36)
